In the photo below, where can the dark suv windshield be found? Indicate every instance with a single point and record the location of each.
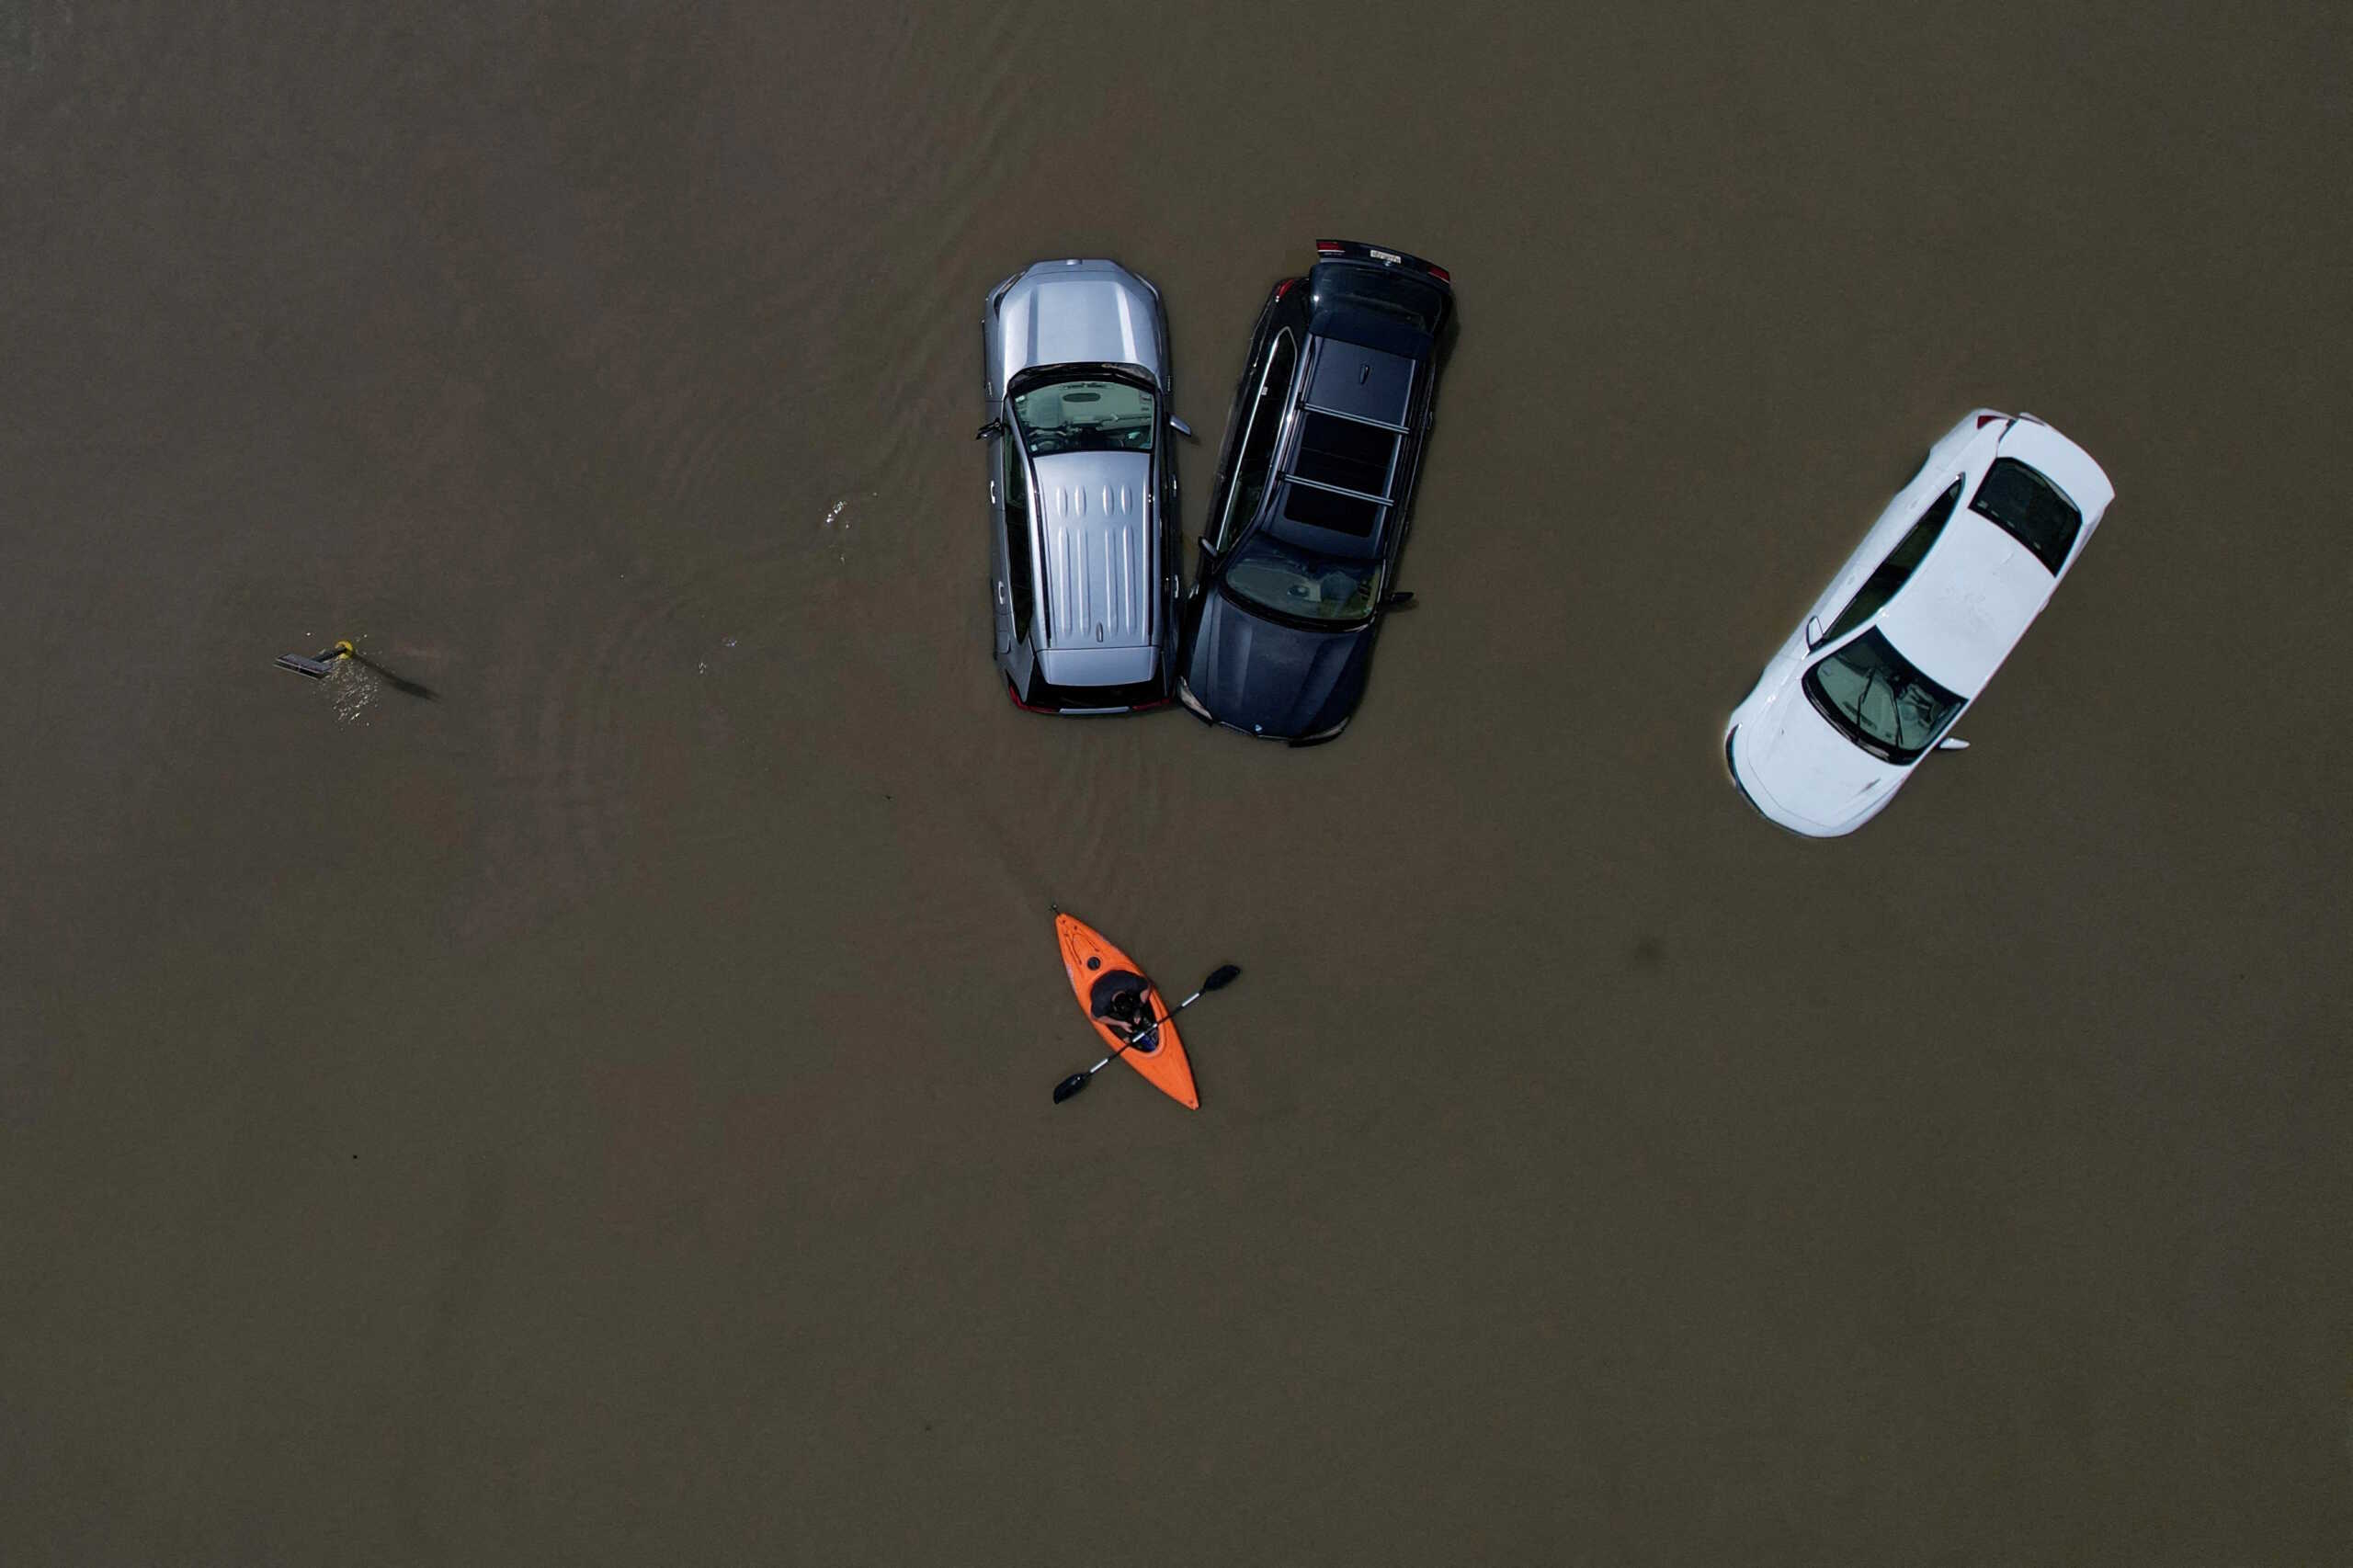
(1084, 417)
(1300, 583)
(1872, 694)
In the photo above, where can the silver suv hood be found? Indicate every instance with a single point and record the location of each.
(1099, 568)
(1078, 312)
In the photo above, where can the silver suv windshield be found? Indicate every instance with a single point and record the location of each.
(1302, 584)
(1880, 700)
(1084, 417)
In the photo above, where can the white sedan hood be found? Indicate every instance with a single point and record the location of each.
(1802, 773)
(1079, 313)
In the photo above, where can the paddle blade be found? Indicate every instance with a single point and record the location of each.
(1226, 975)
(1069, 1087)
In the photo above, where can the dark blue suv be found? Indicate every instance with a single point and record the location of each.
(1313, 492)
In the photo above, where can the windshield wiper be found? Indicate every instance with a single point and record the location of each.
(1909, 691)
(1872, 744)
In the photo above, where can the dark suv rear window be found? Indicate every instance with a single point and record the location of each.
(2029, 508)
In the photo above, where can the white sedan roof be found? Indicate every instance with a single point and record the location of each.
(1979, 589)
(1968, 605)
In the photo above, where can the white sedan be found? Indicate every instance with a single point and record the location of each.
(1916, 623)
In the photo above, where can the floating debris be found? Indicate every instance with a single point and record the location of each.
(362, 692)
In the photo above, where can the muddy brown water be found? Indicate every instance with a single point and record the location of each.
(602, 1115)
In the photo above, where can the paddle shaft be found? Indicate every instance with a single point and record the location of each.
(1154, 1027)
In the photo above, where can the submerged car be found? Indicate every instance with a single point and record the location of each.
(1314, 493)
(1916, 623)
(1082, 485)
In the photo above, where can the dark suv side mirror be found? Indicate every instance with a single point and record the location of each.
(1398, 601)
(994, 428)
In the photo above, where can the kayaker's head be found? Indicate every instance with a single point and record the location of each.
(1126, 1012)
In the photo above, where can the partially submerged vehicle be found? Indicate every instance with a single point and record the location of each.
(1315, 493)
(1913, 626)
(1082, 485)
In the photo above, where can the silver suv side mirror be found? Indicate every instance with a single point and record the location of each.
(1180, 427)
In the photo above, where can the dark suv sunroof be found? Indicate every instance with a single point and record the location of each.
(1330, 510)
(1345, 453)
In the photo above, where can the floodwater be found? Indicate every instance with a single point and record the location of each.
(603, 1115)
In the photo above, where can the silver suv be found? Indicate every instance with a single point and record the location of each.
(1082, 488)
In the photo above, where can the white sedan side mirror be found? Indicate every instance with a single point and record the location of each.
(1813, 632)
(1952, 743)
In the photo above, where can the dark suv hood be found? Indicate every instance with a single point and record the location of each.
(1272, 678)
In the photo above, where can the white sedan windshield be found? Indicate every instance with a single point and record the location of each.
(1879, 699)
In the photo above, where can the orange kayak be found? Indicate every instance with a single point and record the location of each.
(1099, 972)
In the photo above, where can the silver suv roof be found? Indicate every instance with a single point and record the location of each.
(1098, 569)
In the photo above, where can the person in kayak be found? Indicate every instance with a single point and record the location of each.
(1126, 1011)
